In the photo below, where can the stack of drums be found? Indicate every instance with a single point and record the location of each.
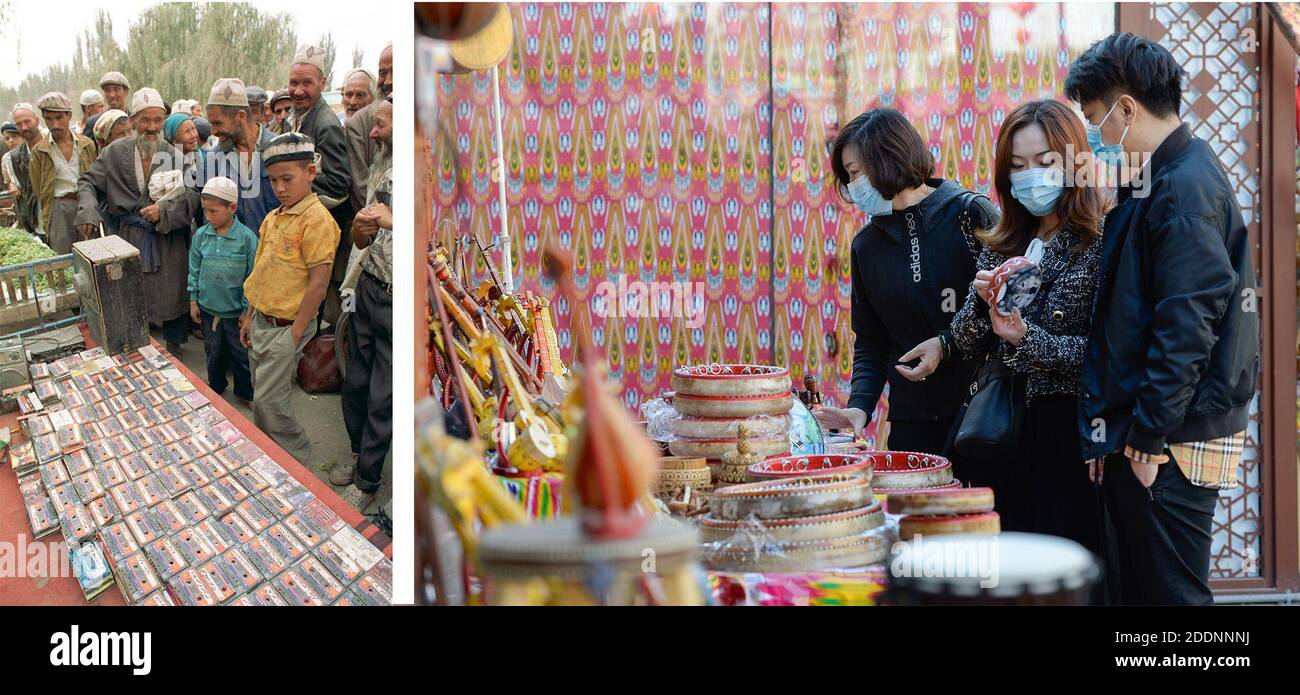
(944, 510)
(907, 471)
(715, 399)
(795, 524)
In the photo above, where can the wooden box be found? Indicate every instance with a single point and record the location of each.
(110, 281)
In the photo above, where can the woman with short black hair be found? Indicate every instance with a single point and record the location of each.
(911, 265)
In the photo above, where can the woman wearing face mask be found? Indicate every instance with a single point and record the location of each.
(911, 265)
(1044, 488)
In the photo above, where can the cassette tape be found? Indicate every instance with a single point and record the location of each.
(175, 480)
(169, 411)
(137, 577)
(88, 486)
(373, 591)
(134, 466)
(243, 600)
(118, 540)
(22, 456)
(71, 438)
(326, 584)
(203, 471)
(111, 473)
(266, 556)
(296, 589)
(37, 425)
(239, 570)
(103, 511)
(103, 430)
(194, 423)
(227, 433)
(76, 523)
(169, 432)
(286, 542)
(251, 480)
(255, 515)
(120, 403)
(131, 420)
(190, 590)
(266, 595)
(150, 490)
(149, 398)
(247, 451)
(216, 499)
(39, 370)
(221, 587)
(340, 563)
(166, 557)
(84, 415)
(232, 487)
(103, 412)
(29, 403)
(170, 392)
(141, 438)
(126, 497)
(54, 474)
(157, 458)
(305, 529)
(41, 515)
(152, 358)
(227, 459)
(271, 472)
(79, 462)
(275, 503)
(143, 526)
(170, 516)
(183, 451)
(217, 534)
(155, 379)
(74, 399)
(82, 382)
(238, 527)
(95, 353)
(191, 504)
(205, 442)
(194, 545)
(46, 447)
(63, 496)
(325, 518)
(195, 400)
(120, 445)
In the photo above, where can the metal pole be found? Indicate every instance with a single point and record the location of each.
(507, 273)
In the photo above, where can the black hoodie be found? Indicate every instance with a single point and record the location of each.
(911, 272)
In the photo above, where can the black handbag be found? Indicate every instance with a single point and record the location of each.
(989, 421)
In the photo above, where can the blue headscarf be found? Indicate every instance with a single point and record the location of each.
(173, 124)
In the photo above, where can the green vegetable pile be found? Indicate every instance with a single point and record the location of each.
(17, 246)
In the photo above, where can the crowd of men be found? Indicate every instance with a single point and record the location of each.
(258, 216)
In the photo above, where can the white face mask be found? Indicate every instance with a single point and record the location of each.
(868, 199)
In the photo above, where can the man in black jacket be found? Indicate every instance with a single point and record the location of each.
(1173, 357)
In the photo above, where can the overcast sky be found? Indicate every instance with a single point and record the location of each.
(49, 30)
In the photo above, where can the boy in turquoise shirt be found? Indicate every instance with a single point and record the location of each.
(221, 258)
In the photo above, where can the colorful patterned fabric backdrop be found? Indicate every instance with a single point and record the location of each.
(681, 152)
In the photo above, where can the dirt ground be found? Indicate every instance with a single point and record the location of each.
(322, 417)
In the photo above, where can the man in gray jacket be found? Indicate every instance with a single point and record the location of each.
(312, 117)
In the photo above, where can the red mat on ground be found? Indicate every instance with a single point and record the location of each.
(48, 590)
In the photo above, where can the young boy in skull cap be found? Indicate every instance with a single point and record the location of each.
(295, 254)
(221, 259)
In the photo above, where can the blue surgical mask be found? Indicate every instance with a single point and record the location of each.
(868, 199)
(1038, 189)
(1107, 153)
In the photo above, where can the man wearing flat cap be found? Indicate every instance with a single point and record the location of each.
(238, 156)
(312, 117)
(58, 160)
(121, 180)
(24, 118)
(257, 98)
(280, 108)
(115, 88)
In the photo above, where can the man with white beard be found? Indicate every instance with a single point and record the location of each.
(160, 229)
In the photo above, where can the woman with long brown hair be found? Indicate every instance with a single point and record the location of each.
(1051, 213)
